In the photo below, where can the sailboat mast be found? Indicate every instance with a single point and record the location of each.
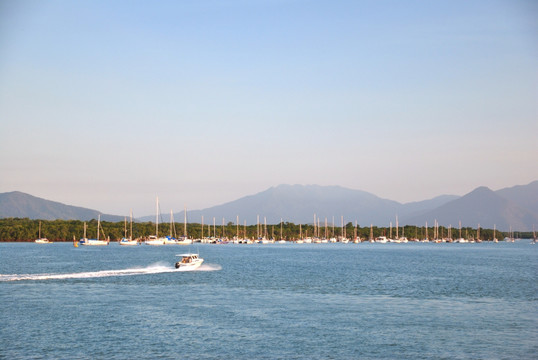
(185, 222)
(397, 237)
(315, 228)
(171, 221)
(157, 217)
(98, 225)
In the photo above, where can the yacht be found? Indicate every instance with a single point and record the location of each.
(94, 242)
(154, 240)
(41, 240)
(381, 239)
(189, 261)
(129, 241)
(184, 241)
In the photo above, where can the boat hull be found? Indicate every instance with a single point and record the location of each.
(43, 241)
(128, 242)
(90, 242)
(190, 266)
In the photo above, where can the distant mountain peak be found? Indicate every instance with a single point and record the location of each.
(481, 190)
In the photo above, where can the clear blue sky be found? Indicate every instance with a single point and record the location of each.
(106, 104)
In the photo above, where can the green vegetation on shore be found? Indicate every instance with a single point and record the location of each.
(15, 229)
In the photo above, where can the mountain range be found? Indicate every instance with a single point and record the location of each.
(17, 204)
(515, 207)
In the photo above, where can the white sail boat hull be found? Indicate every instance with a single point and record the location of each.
(93, 242)
(43, 241)
(128, 242)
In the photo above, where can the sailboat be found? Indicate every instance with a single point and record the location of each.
(94, 242)
(185, 240)
(281, 241)
(129, 241)
(460, 239)
(155, 239)
(171, 240)
(41, 240)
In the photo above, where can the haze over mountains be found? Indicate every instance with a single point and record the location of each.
(515, 207)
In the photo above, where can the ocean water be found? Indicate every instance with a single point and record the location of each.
(280, 301)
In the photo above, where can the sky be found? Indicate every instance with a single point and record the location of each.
(108, 104)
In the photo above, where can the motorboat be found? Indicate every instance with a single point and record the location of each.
(189, 261)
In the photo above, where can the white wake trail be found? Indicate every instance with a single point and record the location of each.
(152, 269)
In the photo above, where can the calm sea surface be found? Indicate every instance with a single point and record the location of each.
(285, 301)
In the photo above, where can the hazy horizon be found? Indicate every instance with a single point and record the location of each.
(106, 105)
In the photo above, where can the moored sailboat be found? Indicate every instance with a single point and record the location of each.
(41, 240)
(155, 239)
(185, 239)
(94, 242)
(129, 241)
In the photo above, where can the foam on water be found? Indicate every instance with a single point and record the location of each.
(152, 269)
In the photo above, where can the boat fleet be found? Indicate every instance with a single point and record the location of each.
(262, 236)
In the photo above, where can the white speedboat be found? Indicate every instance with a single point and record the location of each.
(189, 261)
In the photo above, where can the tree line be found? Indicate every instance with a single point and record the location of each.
(24, 229)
